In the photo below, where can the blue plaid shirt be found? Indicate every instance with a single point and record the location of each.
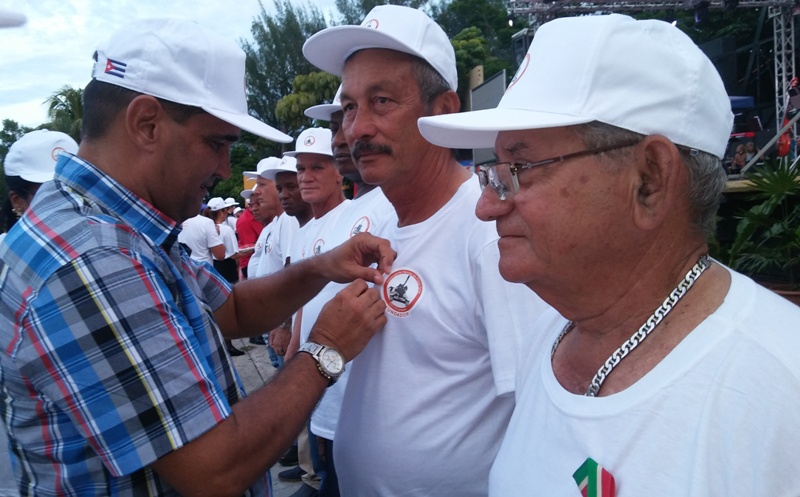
(111, 357)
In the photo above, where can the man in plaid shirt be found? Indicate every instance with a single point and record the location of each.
(115, 379)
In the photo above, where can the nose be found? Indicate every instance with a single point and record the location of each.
(358, 124)
(490, 207)
(224, 166)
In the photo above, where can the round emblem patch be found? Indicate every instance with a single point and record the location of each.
(401, 292)
(361, 226)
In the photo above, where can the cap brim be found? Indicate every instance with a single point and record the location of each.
(270, 174)
(322, 112)
(251, 125)
(37, 177)
(250, 174)
(246, 194)
(329, 48)
(10, 19)
(478, 129)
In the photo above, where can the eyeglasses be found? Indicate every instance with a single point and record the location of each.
(502, 176)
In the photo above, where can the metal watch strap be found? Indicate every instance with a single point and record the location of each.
(315, 349)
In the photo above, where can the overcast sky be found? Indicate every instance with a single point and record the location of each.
(54, 48)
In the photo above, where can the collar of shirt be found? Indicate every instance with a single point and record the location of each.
(110, 196)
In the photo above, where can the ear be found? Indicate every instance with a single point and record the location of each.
(144, 121)
(660, 174)
(18, 202)
(446, 103)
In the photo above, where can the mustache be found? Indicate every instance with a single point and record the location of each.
(361, 148)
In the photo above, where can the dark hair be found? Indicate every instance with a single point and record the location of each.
(22, 188)
(102, 102)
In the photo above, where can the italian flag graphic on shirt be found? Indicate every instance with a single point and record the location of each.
(593, 480)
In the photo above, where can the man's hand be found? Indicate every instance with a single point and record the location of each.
(351, 260)
(279, 339)
(350, 319)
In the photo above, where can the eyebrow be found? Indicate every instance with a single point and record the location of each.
(516, 147)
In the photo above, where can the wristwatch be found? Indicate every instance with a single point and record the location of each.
(330, 363)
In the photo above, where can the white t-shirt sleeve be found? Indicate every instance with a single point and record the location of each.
(508, 310)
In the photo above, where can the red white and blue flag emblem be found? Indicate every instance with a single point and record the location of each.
(115, 68)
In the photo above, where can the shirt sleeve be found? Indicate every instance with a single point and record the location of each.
(507, 309)
(121, 347)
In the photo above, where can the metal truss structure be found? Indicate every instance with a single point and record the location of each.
(780, 11)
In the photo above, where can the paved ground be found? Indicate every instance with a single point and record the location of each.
(255, 370)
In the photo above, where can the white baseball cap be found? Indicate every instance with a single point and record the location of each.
(216, 204)
(261, 166)
(323, 112)
(11, 19)
(180, 61)
(33, 157)
(313, 141)
(287, 165)
(644, 76)
(230, 202)
(392, 27)
(246, 194)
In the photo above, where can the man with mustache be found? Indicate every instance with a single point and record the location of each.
(439, 379)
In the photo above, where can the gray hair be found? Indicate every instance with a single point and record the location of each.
(706, 176)
(431, 84)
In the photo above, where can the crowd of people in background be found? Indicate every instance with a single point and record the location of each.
(440, 332)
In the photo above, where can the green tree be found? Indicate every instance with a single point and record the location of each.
(307, 90)
(472, 49)
(275, 56)
(65, 111)
(354, 11)
(489, 16)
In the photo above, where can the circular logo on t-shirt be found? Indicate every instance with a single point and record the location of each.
(319, 245)
(522, 68)
(372, 23)
(401, 292)
(361, 226)
(268, 243)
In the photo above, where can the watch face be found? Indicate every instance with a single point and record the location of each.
(331, 362)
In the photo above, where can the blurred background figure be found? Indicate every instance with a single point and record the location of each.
(31, 161)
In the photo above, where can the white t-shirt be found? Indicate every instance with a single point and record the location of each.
(423, 412)
(200, 234)
(718, 416)
(273, 245)
(228, 239)
(231, 221)
(317, 233)
(364, 214)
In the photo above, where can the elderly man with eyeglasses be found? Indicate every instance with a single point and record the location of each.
(668, 374)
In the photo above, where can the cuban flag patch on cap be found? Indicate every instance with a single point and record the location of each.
(115, 68)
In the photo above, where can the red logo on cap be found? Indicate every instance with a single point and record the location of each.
(308, 141)
(522, 68)
(372, 23)
(56, 151)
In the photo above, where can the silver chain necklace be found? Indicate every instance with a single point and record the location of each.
(648, 326)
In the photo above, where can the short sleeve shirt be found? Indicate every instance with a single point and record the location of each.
(111, 357)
